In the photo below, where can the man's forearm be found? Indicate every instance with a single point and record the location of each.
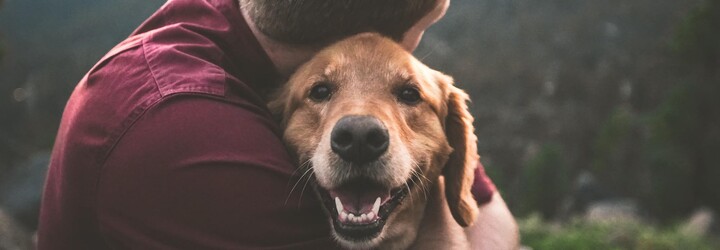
(495, 227)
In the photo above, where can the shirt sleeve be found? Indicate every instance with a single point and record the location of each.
(199, 173)
(483, 188)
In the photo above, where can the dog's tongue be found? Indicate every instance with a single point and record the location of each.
(359, 198)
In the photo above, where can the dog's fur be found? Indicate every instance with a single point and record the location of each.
(431, 140)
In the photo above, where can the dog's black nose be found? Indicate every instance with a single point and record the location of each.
(359, 139)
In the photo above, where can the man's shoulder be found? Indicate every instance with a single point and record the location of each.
(144, 72)
(182, 61)
(185, 63)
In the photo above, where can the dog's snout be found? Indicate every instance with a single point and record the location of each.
(359, 139)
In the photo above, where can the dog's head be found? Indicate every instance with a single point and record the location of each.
(377, 126)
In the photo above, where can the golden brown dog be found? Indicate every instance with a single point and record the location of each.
(379, 129)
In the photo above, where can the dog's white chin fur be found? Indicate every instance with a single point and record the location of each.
(358, 245)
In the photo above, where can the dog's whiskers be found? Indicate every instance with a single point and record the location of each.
(304, 186)
(304, 165)
(415, 175)
(424, 181)
(432, 49)
(408, 189)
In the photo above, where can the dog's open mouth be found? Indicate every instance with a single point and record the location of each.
(360, 208)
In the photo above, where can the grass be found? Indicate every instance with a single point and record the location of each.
(581, 234)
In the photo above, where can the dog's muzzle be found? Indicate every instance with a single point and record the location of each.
(361, 203)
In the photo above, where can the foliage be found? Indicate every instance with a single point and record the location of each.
(582, 234)
(697, 38)
(545, 181)
(49, 45)
(585, 76)
(684, 131)
(613, 149)
(669, 154)
(663, 154)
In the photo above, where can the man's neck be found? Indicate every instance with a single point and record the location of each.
(286, 58)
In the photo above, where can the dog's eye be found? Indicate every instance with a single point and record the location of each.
(409, 95)
(320, 92)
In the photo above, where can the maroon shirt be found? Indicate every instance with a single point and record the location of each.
(167, 143)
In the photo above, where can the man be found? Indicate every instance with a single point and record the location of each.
(167, 142)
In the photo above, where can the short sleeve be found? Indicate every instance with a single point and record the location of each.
(483, 188)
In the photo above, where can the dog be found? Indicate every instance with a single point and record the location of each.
(388, 140)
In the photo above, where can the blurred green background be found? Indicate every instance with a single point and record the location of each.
(598, 120)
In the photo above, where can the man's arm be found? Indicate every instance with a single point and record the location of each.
(495, 227)
(199, 173)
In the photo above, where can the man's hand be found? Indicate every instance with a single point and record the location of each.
(495, 227)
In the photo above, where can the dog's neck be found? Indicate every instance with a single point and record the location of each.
(403, 237)
(438, 229)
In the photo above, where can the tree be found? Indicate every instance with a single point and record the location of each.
(685, 129)
(698, 43)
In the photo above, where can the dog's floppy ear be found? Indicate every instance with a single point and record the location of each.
(284, 100)
(459, 171)
(282, 104)
(277, 104)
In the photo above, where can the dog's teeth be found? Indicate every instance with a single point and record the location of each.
(371, 215)
(343, 216)
(351, 217)
(364, 217)
(338, 205)
(376, 206)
